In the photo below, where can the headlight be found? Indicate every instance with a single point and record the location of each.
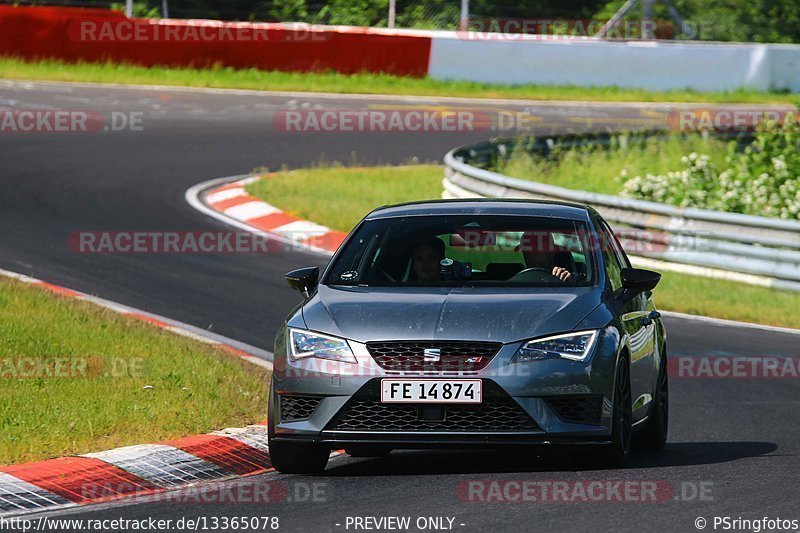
(576, 346)
(304, 344)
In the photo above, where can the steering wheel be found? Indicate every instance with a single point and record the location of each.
(532, 269)
(533, 274)
(538, 274)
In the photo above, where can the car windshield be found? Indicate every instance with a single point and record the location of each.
(466, 250)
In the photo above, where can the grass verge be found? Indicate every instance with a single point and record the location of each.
(73, 378)
(599, 169)
(228, 78)
(338, 197)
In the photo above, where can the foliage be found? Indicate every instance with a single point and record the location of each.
(766, 21)
(775, 21)
(763, 179)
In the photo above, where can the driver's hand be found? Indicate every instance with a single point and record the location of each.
(562, 273)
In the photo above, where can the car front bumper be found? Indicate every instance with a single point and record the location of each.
(540, 402)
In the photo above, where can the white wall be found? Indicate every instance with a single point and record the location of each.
(784, 66)
(634, 64)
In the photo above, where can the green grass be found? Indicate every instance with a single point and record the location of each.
(229, 78)
(195, 388)
(338, 197)
(598, 169)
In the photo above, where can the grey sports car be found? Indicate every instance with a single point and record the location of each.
(470, 323)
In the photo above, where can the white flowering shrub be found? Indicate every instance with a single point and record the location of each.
(763, 179)
(694, 186)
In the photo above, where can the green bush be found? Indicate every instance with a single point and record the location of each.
(763, 179)
(764, 21)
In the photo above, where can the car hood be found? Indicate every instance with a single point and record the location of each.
(497, 314)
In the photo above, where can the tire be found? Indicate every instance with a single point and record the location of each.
(298, 458)
(617, 452)
(654, 435)
(367, 451)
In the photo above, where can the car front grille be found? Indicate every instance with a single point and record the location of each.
(498, 412)
(453, 356)
(295, 408)
(578, 409)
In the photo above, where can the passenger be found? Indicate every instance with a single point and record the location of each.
(540, 253)
(426, 260)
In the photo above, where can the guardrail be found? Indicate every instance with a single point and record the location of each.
(757, 250)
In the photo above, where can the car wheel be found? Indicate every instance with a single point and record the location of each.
(654, 435)
(617, 452)
(298, 458)
(367, 451)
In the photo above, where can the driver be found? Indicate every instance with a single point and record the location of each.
(540, 253)
(426, 257)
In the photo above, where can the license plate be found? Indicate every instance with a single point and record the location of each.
(431, 391)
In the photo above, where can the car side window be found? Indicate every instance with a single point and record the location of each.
(613, 265)
(615, 244)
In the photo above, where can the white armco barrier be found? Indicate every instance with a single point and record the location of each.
(656, 65)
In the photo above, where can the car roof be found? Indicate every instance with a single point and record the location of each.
(484, 206)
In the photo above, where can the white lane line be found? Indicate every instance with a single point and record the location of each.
(187, 333)
(180, 328)
(257, 361)
(731, 323)
(416, 99)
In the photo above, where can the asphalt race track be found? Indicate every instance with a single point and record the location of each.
(736, 440)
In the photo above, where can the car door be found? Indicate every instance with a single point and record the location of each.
(639, 327)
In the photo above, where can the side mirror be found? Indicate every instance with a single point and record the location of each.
(636, 280)
(303, 279)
